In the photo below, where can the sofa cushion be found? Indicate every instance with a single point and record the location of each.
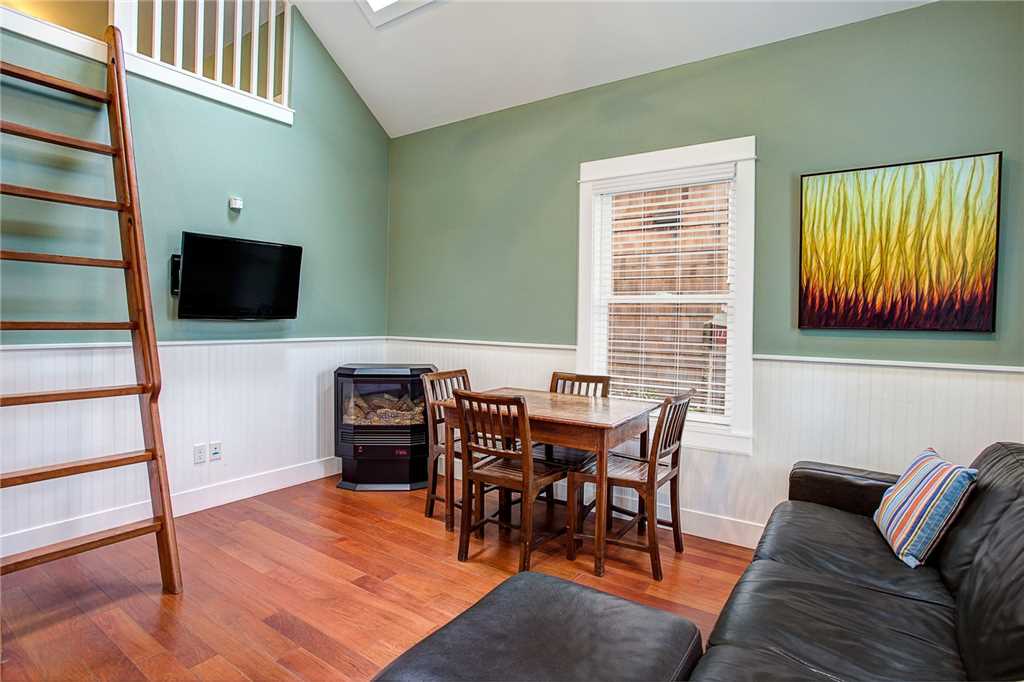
(1000, 481)
(990, 604)
(847, 547)
(727, 663)
(536, 627)
(840, 629)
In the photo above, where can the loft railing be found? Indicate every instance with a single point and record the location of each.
(241, 44)
(232, 51)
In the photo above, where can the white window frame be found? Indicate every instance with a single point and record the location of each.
(650, 169)
(124, 14)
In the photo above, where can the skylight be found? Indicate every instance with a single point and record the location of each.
(378, 5)
(380, 12)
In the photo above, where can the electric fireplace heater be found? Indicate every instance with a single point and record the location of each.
(381, 426)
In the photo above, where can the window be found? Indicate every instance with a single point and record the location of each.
(666, 282)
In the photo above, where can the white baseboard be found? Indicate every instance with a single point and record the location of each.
(704, 524)
(184, 502)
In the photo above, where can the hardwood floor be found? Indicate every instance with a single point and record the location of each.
(308, 582)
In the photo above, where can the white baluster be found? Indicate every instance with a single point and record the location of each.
(236, 65)
(286, 51)
(157, 17)
(179, 31)
(254, 48)
(218, 46)
(200, 6)
(271, 30)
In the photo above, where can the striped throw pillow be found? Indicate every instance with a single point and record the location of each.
(916, 511)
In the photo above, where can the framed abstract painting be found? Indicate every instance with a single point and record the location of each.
(906, 246)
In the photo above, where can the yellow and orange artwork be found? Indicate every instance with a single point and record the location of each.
(909, 246)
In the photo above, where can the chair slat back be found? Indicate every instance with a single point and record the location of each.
(591, 385)
(668, 434)
(495, 426)
(438, 387)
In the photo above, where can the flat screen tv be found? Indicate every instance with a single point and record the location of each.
(237, 279)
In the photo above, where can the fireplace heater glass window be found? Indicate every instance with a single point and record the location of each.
(383, 404)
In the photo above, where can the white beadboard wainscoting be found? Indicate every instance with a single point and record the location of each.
(270, 403)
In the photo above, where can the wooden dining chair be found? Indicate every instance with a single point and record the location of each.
(657, 467)
(497, 450)
(438, 387)
(588, 385)
(592, 385)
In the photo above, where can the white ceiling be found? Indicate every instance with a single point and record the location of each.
(453, 60)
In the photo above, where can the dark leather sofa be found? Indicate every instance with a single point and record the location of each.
(826, 599)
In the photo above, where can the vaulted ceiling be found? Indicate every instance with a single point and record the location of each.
(449, 61)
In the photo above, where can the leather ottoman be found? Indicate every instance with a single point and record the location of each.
(536, 627)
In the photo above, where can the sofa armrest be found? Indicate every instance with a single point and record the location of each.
(854, 490)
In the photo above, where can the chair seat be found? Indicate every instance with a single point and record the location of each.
(570, 458)
(622, 468)
(511, 470)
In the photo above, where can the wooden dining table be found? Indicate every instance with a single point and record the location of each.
(593, 424)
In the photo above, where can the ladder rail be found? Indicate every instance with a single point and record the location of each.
(140, 308)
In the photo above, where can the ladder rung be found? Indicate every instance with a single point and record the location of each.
(20, 326)
(62, 260)
(73, 394)
(31, 133)
(49, 81)
(59, 197)
(82, 466)
(42, 555)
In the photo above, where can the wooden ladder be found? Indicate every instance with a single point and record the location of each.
(139, 323)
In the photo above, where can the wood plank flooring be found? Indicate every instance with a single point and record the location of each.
(309, 582)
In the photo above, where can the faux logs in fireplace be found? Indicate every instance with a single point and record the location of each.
(380, 426)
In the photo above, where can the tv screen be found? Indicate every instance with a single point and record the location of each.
(237, 279)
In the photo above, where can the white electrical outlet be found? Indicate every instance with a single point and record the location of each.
(199, 451)
(215, 450)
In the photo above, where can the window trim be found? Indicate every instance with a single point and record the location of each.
(636, 171)
(85, 46)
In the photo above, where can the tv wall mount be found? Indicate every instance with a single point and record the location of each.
(175, 274)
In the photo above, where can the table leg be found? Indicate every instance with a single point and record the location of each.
(601, 508)
(449, 476)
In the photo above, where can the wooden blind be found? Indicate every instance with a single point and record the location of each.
(664, 291)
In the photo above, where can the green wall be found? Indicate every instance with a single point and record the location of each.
(321, 183)
(484, 212)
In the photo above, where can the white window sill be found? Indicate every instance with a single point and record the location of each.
(716, 438)
(76, 43)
